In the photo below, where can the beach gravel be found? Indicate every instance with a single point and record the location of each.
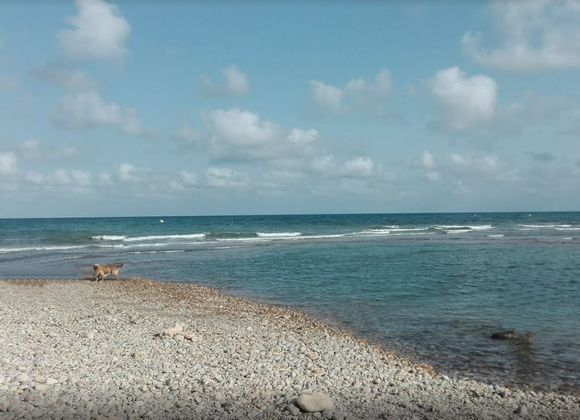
(145, 349)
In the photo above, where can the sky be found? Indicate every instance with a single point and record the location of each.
(126, 108)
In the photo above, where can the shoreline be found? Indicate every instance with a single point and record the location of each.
(76, 348)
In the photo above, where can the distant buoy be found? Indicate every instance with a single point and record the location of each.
(161, 221)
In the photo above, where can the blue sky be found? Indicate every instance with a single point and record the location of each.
(125, 108)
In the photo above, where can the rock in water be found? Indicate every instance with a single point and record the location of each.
(314, 402)
(504, 335)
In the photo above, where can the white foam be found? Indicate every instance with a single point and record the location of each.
(376, 231)
(496, 236)
(253, 239)
(546, 226)
(279, 234)
(157, 237)
(42, 248)
(109, 237)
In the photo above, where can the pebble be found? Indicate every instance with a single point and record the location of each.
(292, 409)
(314, 402)
(521, 410)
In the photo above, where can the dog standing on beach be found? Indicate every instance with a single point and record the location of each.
(105, 270)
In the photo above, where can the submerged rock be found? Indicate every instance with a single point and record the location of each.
(504, 335)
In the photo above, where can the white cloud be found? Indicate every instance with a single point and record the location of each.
(537, 35)
(324, 164)
(359, 167)
(65, 78)
(87, 109)
(224, 178)
(99, 32)
(303, 136)
(188, 178)
(467, 101)
(105, 179)
(8, 163)
(427, 160)
(356, 95)
(242, 135)
(478, 168)
(235, 83)
(327, 97)
(127, 173)
(33, 150)
(240, 127)
(76, 178)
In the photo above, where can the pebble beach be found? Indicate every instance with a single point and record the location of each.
(139, 348)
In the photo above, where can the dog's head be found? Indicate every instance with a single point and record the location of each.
(96, 266)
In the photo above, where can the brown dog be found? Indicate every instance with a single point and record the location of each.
(105, 270)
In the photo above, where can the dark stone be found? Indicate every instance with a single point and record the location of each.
(504, 335)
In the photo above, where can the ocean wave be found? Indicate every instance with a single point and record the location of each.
(465, 228)
(42, 248)
(546, 226)
(375, 232)
(278, 234)
(328, 236)
(160, 237)
(109, 237)
(499, 235)
(146, 238)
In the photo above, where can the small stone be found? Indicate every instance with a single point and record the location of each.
(41, 387)
(174, 330)
(23, 377)
(292, 409)
(314, 402)
(36, 413)
(189, 335)
(51, 381)
(521, 410)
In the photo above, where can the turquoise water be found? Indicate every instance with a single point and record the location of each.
(432, 287)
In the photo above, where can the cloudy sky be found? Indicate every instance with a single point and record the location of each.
(187, 108)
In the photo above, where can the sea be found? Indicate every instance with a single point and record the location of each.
(430, 287)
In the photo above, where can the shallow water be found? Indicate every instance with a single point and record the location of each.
(433, 287)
